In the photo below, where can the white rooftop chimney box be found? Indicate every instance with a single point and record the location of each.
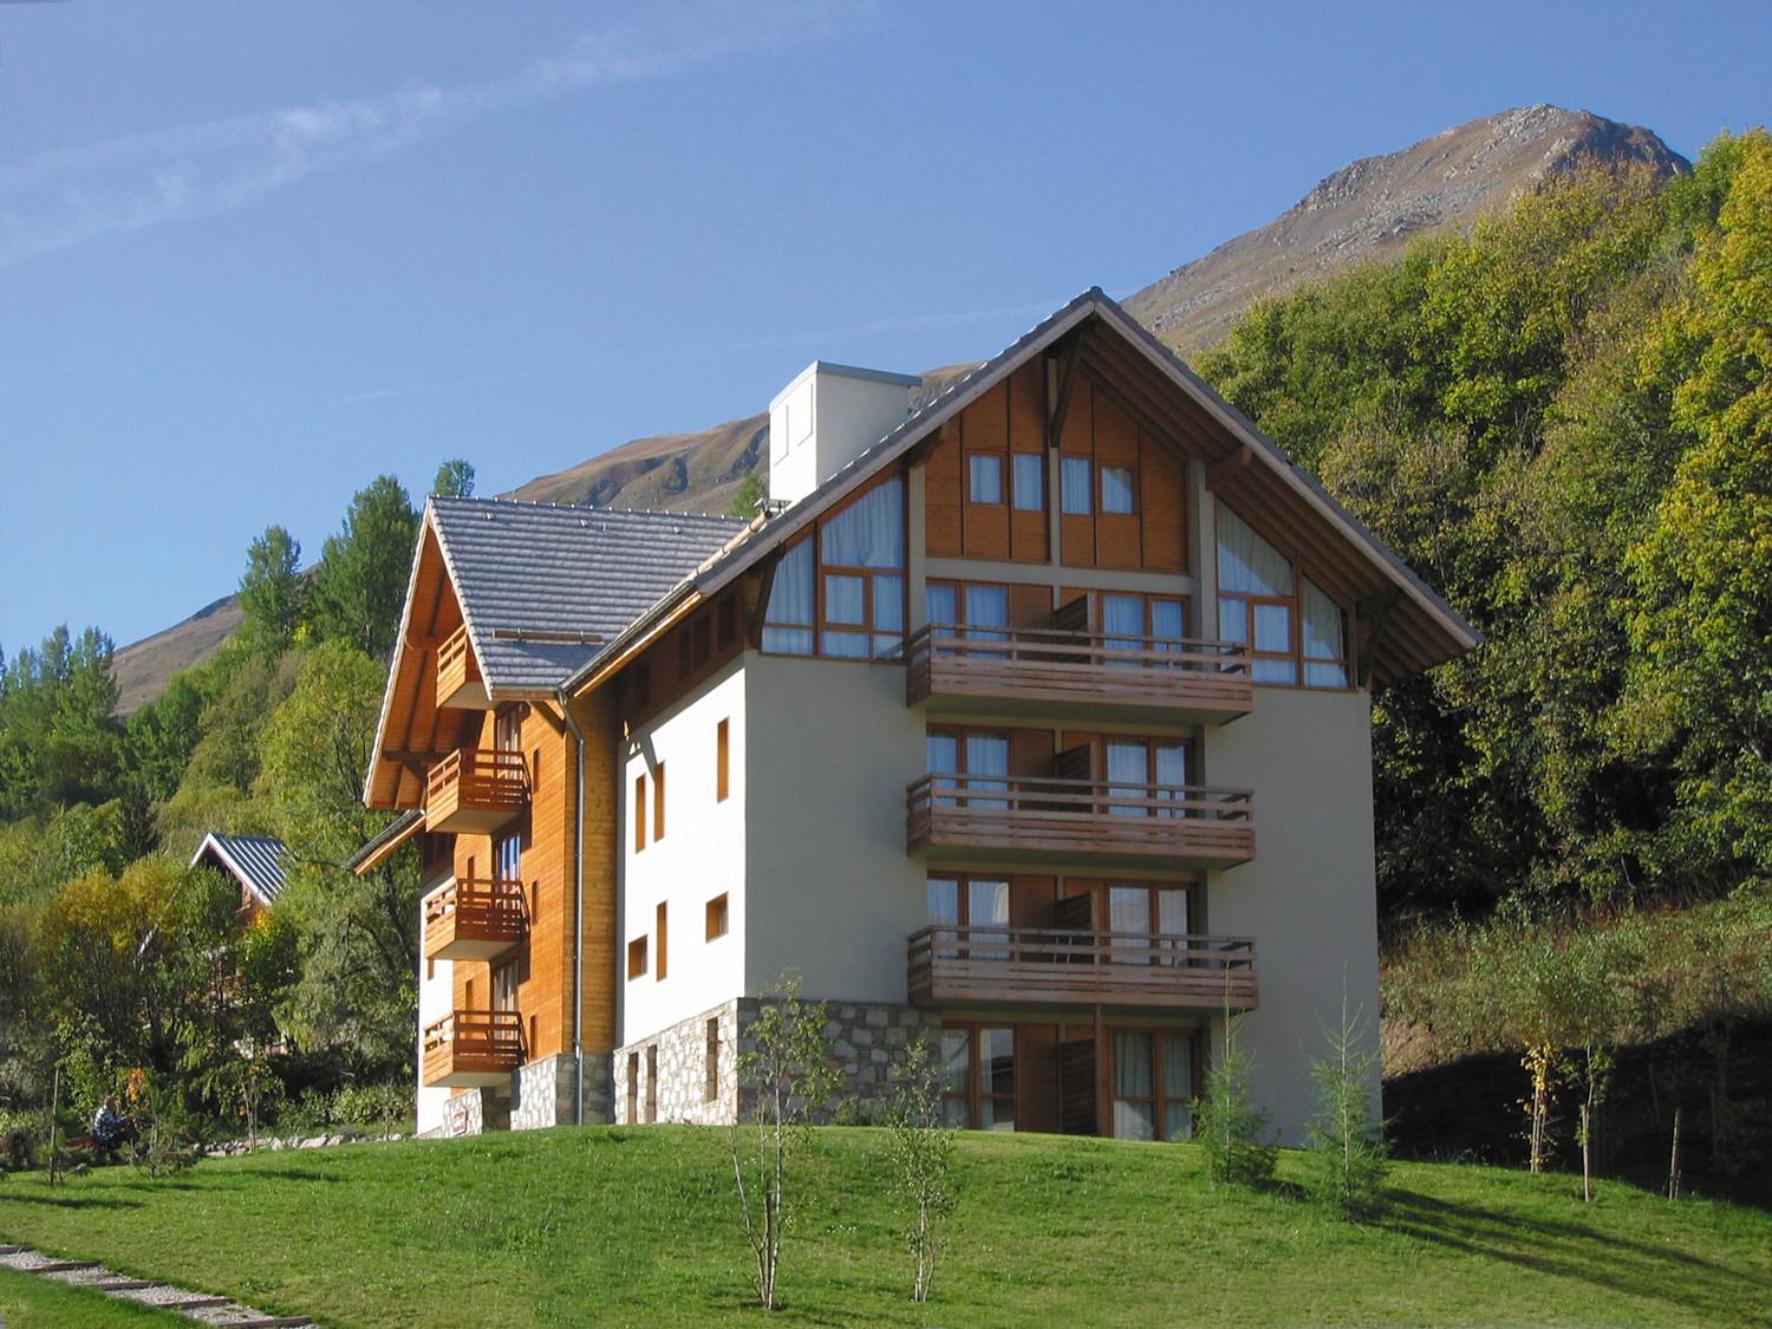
(825, 418)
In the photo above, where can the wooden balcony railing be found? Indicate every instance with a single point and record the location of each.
(1012, 818)
(459, 683)
(475, 791)
(473, 1048)
(1056, 966)
(1084, 673)
(474, 919)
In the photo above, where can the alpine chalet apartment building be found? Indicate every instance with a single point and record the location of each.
(1032, 717)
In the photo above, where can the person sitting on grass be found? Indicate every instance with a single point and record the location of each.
(111, 1130)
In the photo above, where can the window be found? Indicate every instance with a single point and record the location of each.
(639, 812)
(661, 930)
(1075, 483)
(978, 1077)
(787, 624)
(981, 757)
(1324, 640)
(722, 761)
(1142, 622)
(695, 646)
(507, 858)
(637, 958)
(981, 609)
(633, 1115)
(843, 589)
(984, 477)
(978, 908)
(504, 987)
(535, 773)
(1153, 1083)
(507, 730)
(430, 969)
(719, 919)
(651, 1083)
(1258, 606)
(658, 795)
(711, 1088)
(1136, 913)
(1028, 472)
(1116, 490)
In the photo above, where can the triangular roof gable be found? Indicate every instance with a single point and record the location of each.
(1438, 619)
(255, 861)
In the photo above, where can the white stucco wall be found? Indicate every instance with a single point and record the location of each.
(701, 856)
(1309, 898)
(829, 885)
(436, 996)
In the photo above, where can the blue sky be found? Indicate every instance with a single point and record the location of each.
(252, 255)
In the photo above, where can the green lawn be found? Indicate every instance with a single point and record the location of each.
(37, 1303)
(637, 1226)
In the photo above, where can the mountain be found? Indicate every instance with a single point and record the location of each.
(1365, 211)
(1373, 208)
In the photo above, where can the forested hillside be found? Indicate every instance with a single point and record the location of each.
(1563, 419)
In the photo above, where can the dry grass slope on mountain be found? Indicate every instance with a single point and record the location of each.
(1372, 208)
(144, 668)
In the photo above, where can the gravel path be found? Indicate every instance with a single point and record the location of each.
(197, 1306)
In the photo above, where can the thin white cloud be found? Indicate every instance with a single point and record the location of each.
(61, 199)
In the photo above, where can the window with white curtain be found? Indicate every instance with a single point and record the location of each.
(1260, 598)
(1028, 474)
(1116, 490)
(1153, 1078)
(843, 591)
(984, 477)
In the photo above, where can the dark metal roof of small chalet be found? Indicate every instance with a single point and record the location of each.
(255, 860)
(544, 587)
(396, 833)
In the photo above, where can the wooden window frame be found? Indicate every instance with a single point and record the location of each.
(633, 1094)
(651, 1084)
(718, 917)
(1039, 468)
(710, 1090)
(1088, 462)
(722, 760)
(661, 930)
(975, 1095)
(637, 959)
(1001, 457)
(820, 570)
(1294, 605)
(1158, 1100)
(1101, 507)
(1293, 655)
(640, 811)
(658, 802)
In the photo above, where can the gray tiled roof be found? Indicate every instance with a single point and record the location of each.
(257, 860)
(530, 575)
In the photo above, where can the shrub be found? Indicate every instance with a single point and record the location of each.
(921, 1155)
(1347, 1150)
(1229, 1125)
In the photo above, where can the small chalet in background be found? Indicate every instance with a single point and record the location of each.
(254, 861)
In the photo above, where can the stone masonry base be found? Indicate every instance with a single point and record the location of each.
(688, 1072)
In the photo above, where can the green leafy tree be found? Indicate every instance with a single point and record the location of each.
(921, 1155)
(455, 479)
(273, 594)
(361, 582)
(359, 935)
(785, 1076)
(750, 497)
(60, 740)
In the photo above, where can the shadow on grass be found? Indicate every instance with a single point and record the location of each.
(67, 1201)
(1565, 1249)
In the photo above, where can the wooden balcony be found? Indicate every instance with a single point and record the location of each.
(468, 1048)
(1064, 967)
(1076, 675)
(475, 791)
(459, 683)
(1010, 820)
(474, 919)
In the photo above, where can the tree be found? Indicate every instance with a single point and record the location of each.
(272, 595)
(361, 583)
(455, 479)
(60, 741)
(787, 1075)
(1229, 1127)
(922, 1155)
(359, 935)
(750, 499)
(1346, 1138)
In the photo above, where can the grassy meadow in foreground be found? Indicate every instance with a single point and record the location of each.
(638, 1226)
(36, 1303)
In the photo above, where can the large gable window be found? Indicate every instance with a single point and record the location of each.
(1259, 605)
(842, 591)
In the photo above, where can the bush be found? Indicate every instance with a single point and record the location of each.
(380, 1107)
(1347, 1150)
(1229, 1125)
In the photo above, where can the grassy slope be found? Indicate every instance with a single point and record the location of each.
(36, 1303)
(612, 1226)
